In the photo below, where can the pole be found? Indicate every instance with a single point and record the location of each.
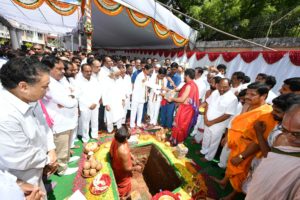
(88, 20)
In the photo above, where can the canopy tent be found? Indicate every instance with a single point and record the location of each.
(137, 24)
(117, 24)
(44, 16)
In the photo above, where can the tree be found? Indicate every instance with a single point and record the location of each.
(244, 18)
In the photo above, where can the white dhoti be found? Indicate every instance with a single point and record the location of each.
(87, 116)
(224, 157)
(136, 112)
(153, 107)
(114, 116)
(211, 140)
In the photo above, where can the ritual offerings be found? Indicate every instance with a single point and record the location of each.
(91, 166)
(100, 184)
(160, 171)
(91, 147)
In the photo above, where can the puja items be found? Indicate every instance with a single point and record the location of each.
(181, 151)
(166, 195)
(100, 184)
(161, 135)
(133, 140)
(91, 166)
(91, 147)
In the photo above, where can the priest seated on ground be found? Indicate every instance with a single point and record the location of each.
(121, 161)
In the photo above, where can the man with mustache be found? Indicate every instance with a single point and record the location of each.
(242, 139)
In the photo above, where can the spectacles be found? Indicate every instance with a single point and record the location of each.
(285, 131)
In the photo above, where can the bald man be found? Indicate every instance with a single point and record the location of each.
(221, 106)
(278, 175)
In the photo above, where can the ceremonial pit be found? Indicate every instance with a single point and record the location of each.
(161, 171)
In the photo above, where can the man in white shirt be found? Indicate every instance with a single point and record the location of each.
(139, 96)
(221, 105)
(60, 105)
(270, 82)
(89, 97)
(155, 97)
(69, 82)
(27, 145)
(96, 66)
(103, 75)
(237, 79)
(127, 87)
(113, 99)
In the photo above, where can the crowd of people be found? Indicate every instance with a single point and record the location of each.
(50, 99)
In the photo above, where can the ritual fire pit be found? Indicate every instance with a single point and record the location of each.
(157, 174)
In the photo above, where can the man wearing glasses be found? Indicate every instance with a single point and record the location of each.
(278, 175)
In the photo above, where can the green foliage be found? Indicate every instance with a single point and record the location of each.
(244, 18)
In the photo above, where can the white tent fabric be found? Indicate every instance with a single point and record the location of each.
(120, 32)
(42, 19)
(153, 9)
(282, 69)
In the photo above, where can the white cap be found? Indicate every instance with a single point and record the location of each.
(158, 65)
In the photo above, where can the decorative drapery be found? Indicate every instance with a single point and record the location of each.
(109, 7)
(248, 57)
(272, 57)
(59, 7)
(137, 18)
(112, 8)
(281, 64)
(161, 31)
(295, 57)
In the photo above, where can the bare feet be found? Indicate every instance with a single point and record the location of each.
(222, 183)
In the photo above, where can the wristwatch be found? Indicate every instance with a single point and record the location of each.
(241, 157)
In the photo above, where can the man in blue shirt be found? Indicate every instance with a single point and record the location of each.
(138, 69)
(167, 109)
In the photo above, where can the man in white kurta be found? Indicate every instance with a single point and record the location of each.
(155, 97)
(126, 84)
(202, 88)
(60, 105)
(26, 140)
(89, 97)
(221, 105)
(139, 96)
(113, 99)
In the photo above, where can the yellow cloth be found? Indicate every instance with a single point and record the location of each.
(240, 135)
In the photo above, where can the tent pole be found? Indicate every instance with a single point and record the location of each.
(88, 21)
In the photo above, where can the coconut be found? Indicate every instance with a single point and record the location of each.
(99, 166)
(93, 172)
(86, 172)
(86, 165)
(93, 164)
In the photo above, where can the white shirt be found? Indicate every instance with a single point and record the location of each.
(157, 84)
(25, 138)
(140, 93)
(201, 88)
(9, 189)
(127, 87)
(113, 96)
(58, 95)
(89, 92)
(236, 90)
(271, 96)
(71, 87)
(104, 73)
(219, 105)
